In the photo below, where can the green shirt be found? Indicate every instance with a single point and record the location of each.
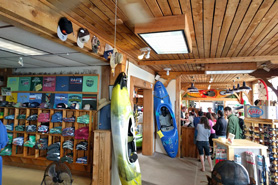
(233, 127)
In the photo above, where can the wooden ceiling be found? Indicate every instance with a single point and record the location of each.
(218, 28)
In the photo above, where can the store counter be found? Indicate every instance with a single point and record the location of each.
(188, 148)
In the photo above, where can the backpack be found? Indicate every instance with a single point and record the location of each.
(241, 124)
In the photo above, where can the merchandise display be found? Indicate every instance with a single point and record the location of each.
(82, 160)
(56, 130)
(53, 153)
(43, 117)
(57, 117)
(31, 128)
(21, 116)
(43, 128)
(41, 144)
(68, 131)
(33, 117)
(6, 151)
(31, 142)
(9, 117)
(83, 145)
(83, 119)
(20, 128)
(69, 120)
(67, 158)
(10, 127)
(10, 138)
(82, 133)
(18, 141)
(68, 144)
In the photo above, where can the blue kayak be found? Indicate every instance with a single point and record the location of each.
(165, 120)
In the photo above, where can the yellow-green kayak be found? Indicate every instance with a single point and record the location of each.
(122, 126)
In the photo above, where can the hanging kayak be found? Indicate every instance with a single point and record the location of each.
(122, 126)
(165, 120)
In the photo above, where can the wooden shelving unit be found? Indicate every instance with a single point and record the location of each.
(34, 156)
(261, 131)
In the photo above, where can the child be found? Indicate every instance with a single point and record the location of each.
(203, 129)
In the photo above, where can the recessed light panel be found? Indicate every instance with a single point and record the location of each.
(230, 72)
(168, 42)
(13, 47)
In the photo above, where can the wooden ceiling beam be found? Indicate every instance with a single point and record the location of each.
(250, 59)
(228, 67)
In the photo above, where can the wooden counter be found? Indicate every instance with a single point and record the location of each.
(188, 148)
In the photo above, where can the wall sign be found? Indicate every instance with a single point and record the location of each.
(255, 112)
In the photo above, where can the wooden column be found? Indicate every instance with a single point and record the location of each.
(105, 78)
(178, 111)
(102, 158)
(148, 122)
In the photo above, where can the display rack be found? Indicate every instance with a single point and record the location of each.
(27, 155)
(264, 131)
(239, 147)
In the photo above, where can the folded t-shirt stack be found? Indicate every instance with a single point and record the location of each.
(20, 127)
(82, 160)
(83, 145)
(69, 131)
(53, 153)
(31, 128)
(18, 141)
(10, 127)
(42, 144)
(68, 144)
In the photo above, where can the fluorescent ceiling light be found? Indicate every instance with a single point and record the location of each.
(20, 49)
(229, 72)
(166, 42)
(209, 87)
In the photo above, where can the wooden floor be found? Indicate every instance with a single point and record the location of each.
(158, 169)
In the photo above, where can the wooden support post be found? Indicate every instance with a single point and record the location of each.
(178, 111)
(102, 158)
(148, 128)
(105, 77)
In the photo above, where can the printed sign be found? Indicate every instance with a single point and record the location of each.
(35, 97)
(13, 83)
(24, 84)
(90, 83)
(6, 91)
(36, 84)
(60, 98)
(75, 98)
(49, 83)
(23, 97)
(75, 83)
(12, 98)
(255, 112)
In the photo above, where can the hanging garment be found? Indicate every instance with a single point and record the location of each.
(3, 143)
(251, 165)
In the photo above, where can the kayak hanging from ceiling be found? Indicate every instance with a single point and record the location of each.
(165, 120)
(122, 126)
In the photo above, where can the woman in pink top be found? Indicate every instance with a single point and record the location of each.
(212, 131)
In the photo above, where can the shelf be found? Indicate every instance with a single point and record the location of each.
(20, 132)
(60, 92)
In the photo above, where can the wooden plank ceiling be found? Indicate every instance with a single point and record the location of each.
(219, 28)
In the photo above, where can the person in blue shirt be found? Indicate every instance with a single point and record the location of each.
(3, 143)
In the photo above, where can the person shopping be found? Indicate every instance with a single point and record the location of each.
(3, 143)
(221, 125)
(212, 131)
(203, 129)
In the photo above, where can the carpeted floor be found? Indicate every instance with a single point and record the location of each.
(158, 169)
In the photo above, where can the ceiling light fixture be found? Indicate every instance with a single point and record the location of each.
(230, 72)
(193, 89)
(17, 48)
(145, 52)
(167, 71)
(167, 34)
(209, 87)
(244, 87)
(20, 61)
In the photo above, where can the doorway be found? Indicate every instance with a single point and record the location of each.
(141, 95)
